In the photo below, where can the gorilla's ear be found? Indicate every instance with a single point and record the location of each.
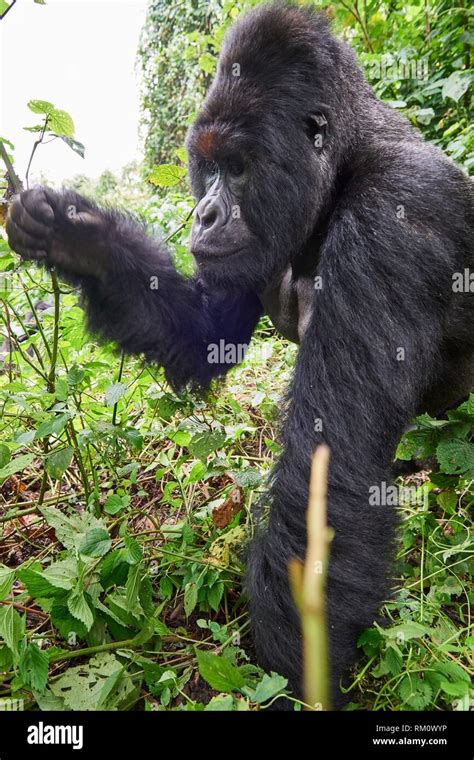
(317, 128)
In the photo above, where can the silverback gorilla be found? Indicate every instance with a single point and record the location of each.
(299, 173)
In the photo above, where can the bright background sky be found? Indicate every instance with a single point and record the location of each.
(79, 55)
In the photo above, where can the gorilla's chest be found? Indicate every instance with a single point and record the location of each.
(289, 304)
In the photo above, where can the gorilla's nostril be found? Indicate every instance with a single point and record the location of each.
(208, 217)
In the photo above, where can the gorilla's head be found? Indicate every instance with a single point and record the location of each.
(265, 149)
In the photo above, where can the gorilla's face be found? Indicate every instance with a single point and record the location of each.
(256, 187)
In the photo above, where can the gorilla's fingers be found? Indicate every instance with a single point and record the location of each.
(23, 220)
(30, 254)
(38, 205)
(20, 236)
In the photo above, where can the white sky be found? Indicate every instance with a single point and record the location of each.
(79, 55)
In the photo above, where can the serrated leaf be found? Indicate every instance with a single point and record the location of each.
(34, 667)
(79, 608)
(455, 457)
(96, 543)
(6, 581)
(11, 630)
(62, 574)
(219, 673)
(190, 598)
(167, 175)
(415, 692)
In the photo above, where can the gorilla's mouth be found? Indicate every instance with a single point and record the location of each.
(212, 254)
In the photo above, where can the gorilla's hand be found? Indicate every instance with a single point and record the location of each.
(60, 229)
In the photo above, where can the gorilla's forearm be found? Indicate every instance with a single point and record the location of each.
(131, 290)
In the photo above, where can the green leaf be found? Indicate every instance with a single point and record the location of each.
(81, 687)
(455, 457)
(214, 595)
(268, 687)
(415, 692)
(6, 581)
(116, 503)
(75, 145)
(79, 608)
(34, 667)
(70, 529)
(58, 461)
(114, 393)
(455, 86)
(203, 444)
(41, 106)
(62, 574)
(11, 630)
(132, 589)
(219, 673)
(16, 465)
(96, 543)
(60, 123)
(38, 586)
(190, 598)
(5, 455)
(167, 175)
(407, 631)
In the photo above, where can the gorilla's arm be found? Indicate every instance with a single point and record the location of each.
(363, 365)
(132, 292)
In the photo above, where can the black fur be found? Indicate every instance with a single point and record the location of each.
(384, 218)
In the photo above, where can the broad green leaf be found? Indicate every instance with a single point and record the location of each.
(16, 465)
(11, 629)
(81, 687)
(62, 574)
(78, 607)
(268, 687)
(455, 86)
(219, 673)
(190, 598)
(41, 106)
(60, 123)
(34, 667)
(6, 581)
(167, 175)
(204, 444)
(5, 455)
(116, 503)
(455, 457)
(96, 543)
(214, 595)
(58, 461)
(114, 393)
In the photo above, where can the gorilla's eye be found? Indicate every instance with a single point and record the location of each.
(236, 167)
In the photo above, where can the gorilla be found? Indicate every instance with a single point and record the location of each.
(322, 207)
